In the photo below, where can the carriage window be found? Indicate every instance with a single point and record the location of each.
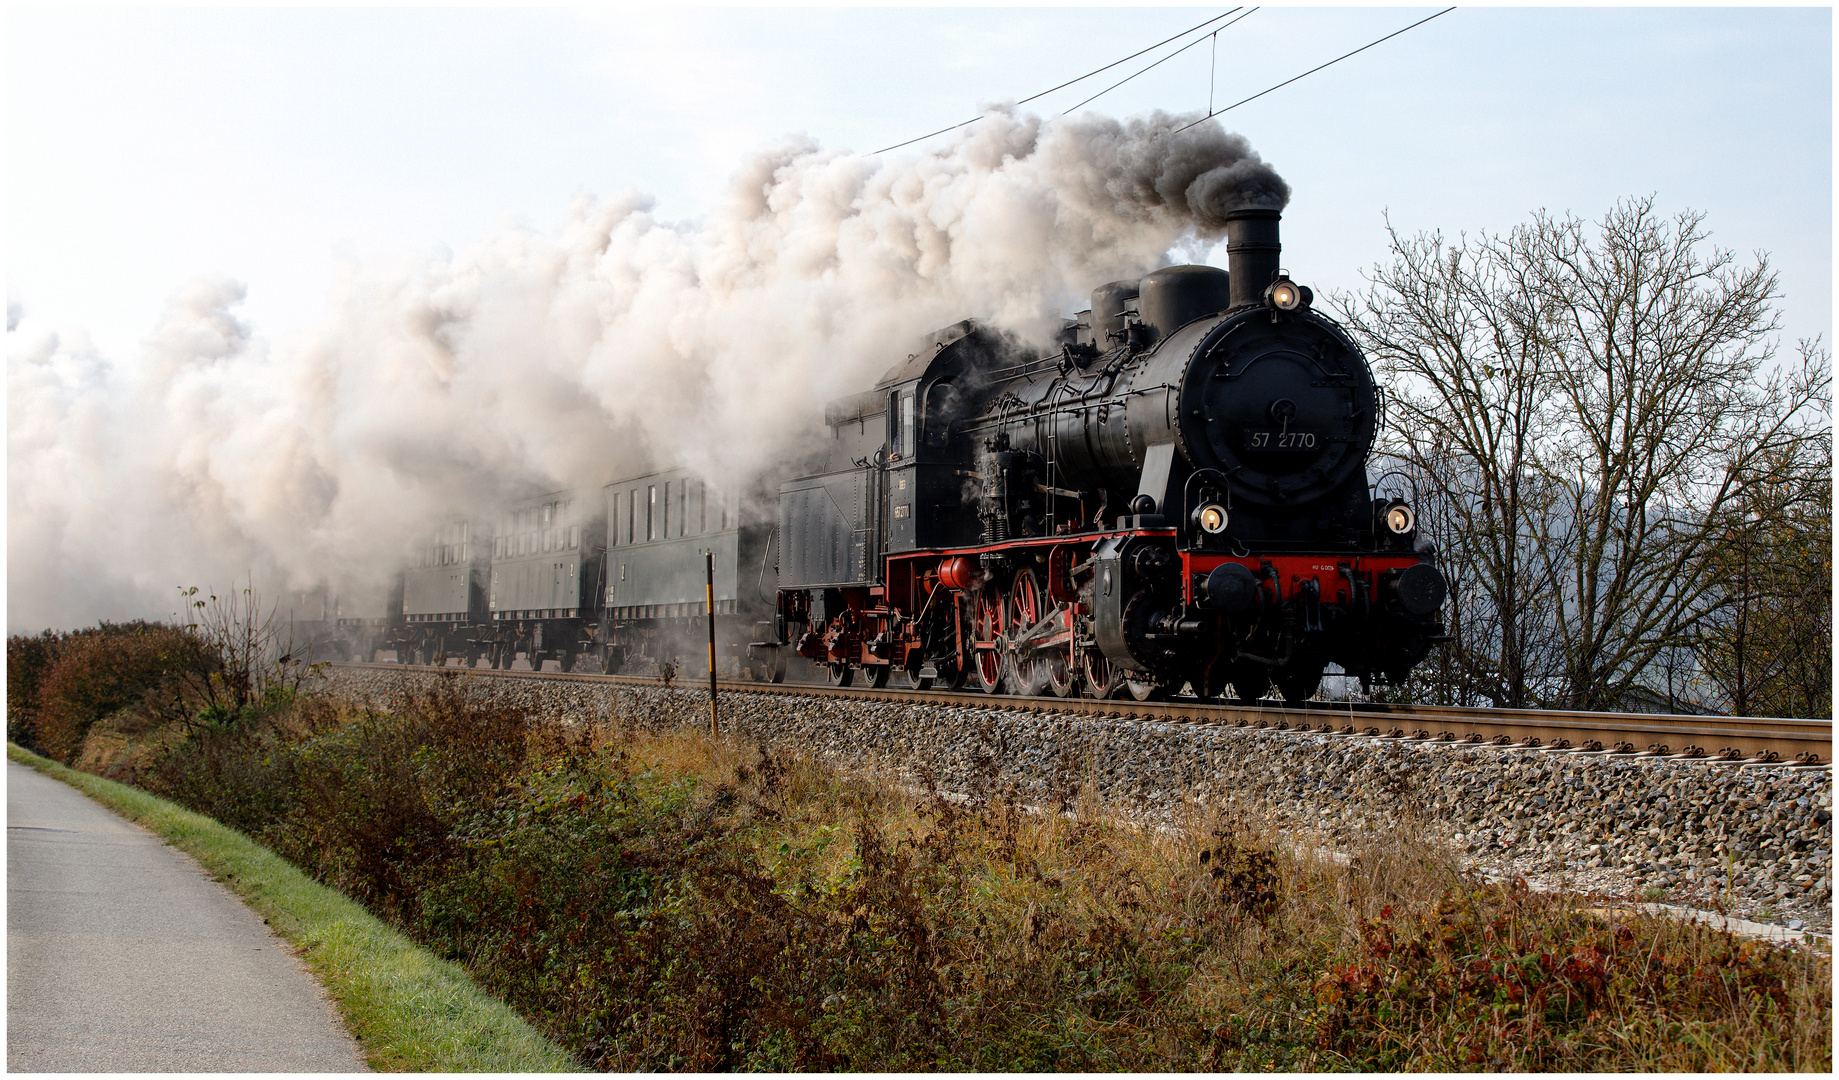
(574, 537)
(683, 508)
(651, 512)
(664, 514)
(905, 445)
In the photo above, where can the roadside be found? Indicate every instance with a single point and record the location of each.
(123, 957)
(96, 1008)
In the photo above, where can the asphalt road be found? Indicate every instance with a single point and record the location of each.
(122, 956)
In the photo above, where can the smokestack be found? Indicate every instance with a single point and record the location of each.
(1252, 252)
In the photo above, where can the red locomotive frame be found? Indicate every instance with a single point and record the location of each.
(881, 627)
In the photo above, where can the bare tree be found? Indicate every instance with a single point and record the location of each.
(1588, 403)
(1456, 333)
(254, 659)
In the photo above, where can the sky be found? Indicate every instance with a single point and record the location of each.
(287, 285)
(281, 146)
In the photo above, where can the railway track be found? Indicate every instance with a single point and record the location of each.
(1712, 739)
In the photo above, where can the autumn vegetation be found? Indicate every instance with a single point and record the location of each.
(661, 899)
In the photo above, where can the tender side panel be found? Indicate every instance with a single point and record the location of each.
(827, 530)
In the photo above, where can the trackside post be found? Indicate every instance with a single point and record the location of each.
(709, 558)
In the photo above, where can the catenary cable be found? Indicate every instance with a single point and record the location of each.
(1127, 78)
(1213, 113)
(1069, 82)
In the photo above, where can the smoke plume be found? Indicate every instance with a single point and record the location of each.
(536, 361)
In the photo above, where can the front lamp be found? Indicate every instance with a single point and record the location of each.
(1286, 295)
(1400, 519)
(1212, 519)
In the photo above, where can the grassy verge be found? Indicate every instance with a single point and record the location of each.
(408, 1010)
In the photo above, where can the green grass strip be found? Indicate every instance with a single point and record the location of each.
(408, 1010)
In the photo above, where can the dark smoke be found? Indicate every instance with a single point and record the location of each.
(1149, 163)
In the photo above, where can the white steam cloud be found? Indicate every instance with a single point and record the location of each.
(617, 343)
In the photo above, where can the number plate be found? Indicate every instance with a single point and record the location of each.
(1282, 440)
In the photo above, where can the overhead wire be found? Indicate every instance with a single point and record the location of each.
(1080, 79)
(1211, 77)
(1211, 113)
(1170, 56)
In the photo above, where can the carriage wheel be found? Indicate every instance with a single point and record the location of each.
(987, 664)
(1098, 674)
(878, 675)
(842, 675)
(775, 666)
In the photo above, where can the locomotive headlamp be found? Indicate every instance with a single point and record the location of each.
(1400, 519)
(1286, 295)
(1212, 519)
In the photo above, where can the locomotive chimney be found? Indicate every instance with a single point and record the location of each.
(1251, 252)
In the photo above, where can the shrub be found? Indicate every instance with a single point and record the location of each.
(27, 660)
(68, 682)
(1502, 979)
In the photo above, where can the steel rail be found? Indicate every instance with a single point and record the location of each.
(1717, 739)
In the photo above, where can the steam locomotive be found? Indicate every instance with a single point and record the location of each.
(1177, 495)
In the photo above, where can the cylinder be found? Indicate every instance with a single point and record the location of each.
(1252, 252)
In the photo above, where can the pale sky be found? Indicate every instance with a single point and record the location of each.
(146, 146)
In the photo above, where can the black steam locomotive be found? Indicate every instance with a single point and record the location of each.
(1179, 495)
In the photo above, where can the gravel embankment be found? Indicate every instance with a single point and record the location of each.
(1757, 840)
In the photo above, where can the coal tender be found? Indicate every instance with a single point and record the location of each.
(1178, 495)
